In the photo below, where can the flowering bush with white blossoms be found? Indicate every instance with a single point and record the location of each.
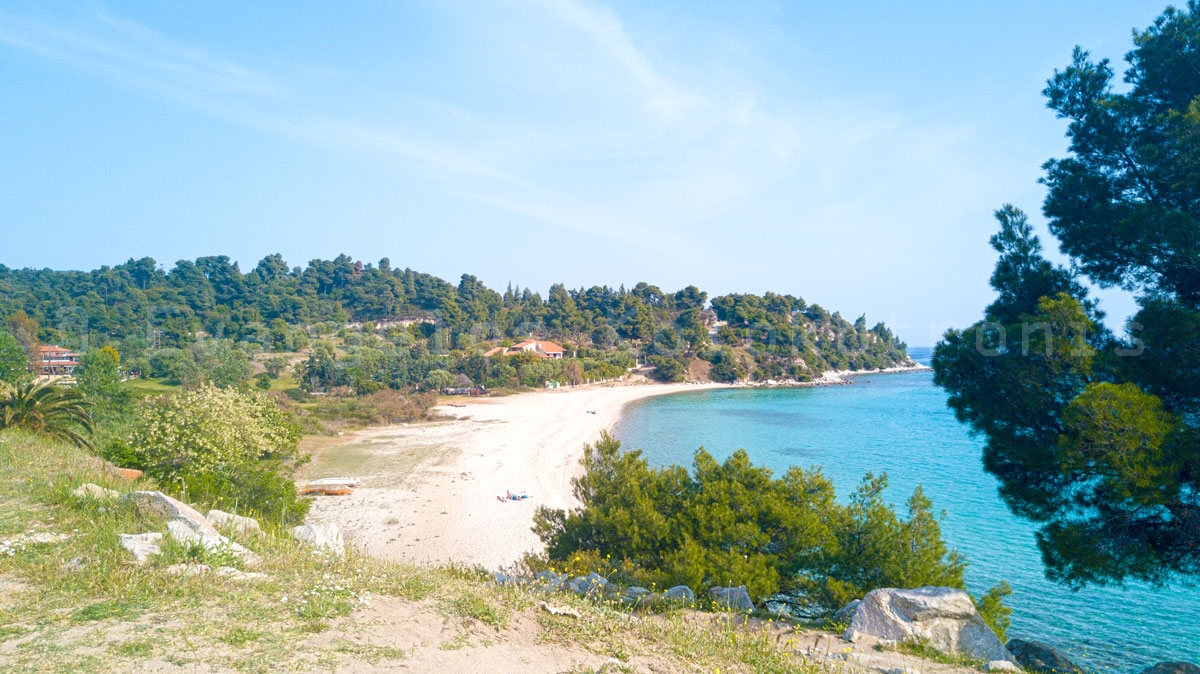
(207, 428)
(227, 448)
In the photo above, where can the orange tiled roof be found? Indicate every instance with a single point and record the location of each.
(53, 349)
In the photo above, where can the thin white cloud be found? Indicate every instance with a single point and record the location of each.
(608, 32)
(711, 153)
(135, 55)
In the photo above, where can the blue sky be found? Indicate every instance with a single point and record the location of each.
(851, 153)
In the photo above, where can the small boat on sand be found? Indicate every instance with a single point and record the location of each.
(325, 490)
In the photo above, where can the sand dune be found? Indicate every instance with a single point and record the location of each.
(429, 490)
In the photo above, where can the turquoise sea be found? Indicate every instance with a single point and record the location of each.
(899, 423)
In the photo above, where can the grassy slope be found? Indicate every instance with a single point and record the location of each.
(80, 604)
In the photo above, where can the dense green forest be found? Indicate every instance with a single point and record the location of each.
(369, 327)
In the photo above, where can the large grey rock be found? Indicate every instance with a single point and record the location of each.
(142, 546)
(1039, 657)
(1172, 668)
(591, 585)
(680, 593)
(322, 537)
(549, 580)
(504, 580)
(943, 617)
(158, 503)
(94, 491)
(235, 523)
(732, 598)
(634, 594)
(186, 525)
(186, 536)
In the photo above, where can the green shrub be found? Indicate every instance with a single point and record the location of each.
(667, 368)
(119, 452)
(222, 446)
(991, 608)
(734, 523)
(264, 490)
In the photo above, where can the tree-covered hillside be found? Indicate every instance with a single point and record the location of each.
(397, 327)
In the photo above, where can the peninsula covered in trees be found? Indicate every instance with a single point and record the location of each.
(369, 327)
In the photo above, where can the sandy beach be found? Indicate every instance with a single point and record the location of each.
(429, 490)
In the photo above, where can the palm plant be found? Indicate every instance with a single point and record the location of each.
(49, 410)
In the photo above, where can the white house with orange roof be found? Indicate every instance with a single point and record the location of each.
(543, 348)
(55, 361)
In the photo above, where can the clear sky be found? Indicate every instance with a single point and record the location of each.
(851, 153)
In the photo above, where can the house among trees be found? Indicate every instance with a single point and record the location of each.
(55, 361)
(542, 348)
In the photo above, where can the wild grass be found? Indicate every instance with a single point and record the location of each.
(80, 603)
(922, 649)
(85, 580)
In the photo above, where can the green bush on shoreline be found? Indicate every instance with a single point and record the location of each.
(734, 523)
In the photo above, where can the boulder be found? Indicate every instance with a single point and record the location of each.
(509, 580)
(943, 617)
(591, 585)
(549, 580)
(680, 593)
(634, 594)
(186, 536)
(1001, 666)
(94, 491)
(142, 546)
(847, 612)
(1039, 657)
(322, 537)
(235, 523)
(158, 503)
(732, 598)
(1172, 668)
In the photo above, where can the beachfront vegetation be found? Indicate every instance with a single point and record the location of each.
(345, 325)
(734, 523)
(1093, 435)
(168, 358)
(73, 601)
(223, 447)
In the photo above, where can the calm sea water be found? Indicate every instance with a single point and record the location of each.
(899, 423)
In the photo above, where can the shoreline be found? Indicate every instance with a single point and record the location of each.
(431, 491)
